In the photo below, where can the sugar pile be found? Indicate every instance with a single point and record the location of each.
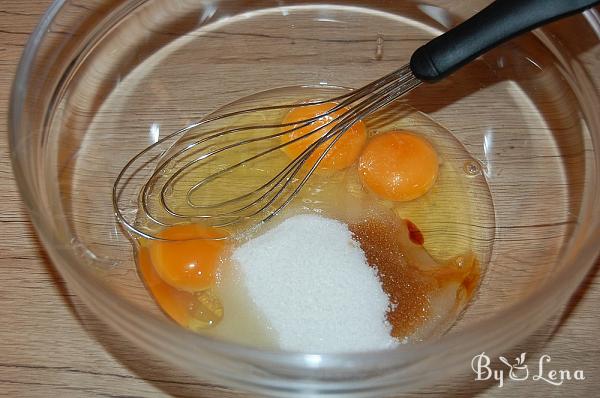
(312, 282)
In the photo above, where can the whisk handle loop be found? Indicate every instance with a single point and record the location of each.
(495, 24)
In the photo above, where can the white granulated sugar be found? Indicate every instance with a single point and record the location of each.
(312, 282)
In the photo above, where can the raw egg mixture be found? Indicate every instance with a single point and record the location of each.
(416, 203)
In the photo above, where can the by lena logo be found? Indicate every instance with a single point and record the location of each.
(519, 371)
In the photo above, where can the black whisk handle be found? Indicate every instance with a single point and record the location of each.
(495, 24)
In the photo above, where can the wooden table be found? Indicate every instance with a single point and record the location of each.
(51, 345)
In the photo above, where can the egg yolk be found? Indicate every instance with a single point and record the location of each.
(173, 302)
(398, 165)
(194, 311)
(345, 151)
(189, 258)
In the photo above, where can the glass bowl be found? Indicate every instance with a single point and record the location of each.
(101, 80)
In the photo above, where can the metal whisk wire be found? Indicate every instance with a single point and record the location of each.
(276, 193)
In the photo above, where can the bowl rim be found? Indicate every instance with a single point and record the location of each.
(100, 298)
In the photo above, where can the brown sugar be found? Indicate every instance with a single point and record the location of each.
(409, 276)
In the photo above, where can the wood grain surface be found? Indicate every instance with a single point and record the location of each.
(51, 345)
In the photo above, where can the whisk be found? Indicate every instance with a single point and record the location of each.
(189, 167)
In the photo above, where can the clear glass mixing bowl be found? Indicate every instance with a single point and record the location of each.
(101, 79)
